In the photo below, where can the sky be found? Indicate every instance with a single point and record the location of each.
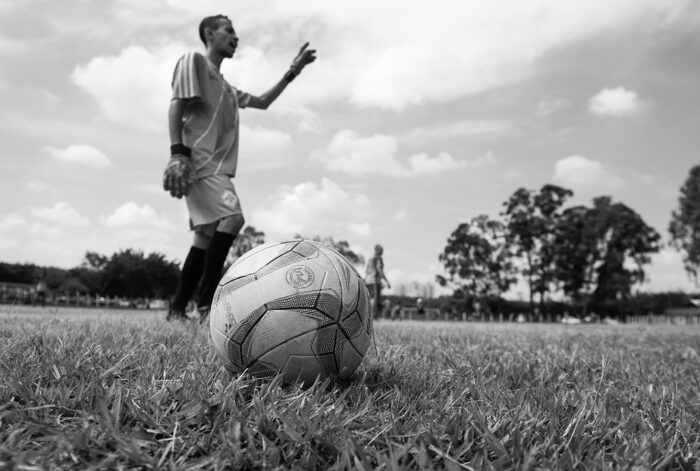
(416, 117)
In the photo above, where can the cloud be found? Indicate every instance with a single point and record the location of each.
(486, 129)
(350, 153)
(79, 154)
(451, 50)
(550, 106)
(38, 186)
(458, 49)
(131, 215)
(62, 213)
(363, 59)
(263, 148)
(617, 102)
(132, 88)
(400, 215)
(666, 273)
(582, 173)
(10, 222)
(324, 209)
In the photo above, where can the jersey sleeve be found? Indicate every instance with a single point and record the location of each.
(242, 98)
(188, 75)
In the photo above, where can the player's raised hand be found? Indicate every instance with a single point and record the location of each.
(305, 57)
(177, 177)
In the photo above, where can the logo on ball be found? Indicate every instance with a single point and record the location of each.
(300, 276)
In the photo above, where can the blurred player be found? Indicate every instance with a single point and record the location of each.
(203, 122)
(41, 287)
(374, 275)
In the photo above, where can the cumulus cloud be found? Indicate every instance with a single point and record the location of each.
(666, 272)
(581, 173)
(38, 186)
(62, 213)
(10, 222)
(550, 106)
(350, 153)
(485, 129)
(132, 88)
(617, 102)
(79, 154)
(463, 48)
(323, 208)
(133, 215)
(263, 148)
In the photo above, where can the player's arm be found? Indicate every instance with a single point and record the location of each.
(388, 285)
(380, 272)
(175, 113)
(177, 177)
(305, 57)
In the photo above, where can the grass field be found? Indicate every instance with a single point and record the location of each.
(124, 389)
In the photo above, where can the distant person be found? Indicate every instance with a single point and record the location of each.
(420, 307)
(374, 276)
(396, 311)
(204, 121)
(41, 288)
(386, 307)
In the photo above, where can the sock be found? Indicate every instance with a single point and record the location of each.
(191, 273)
(213, 264)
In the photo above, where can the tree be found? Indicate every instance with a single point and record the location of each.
(130, 273)
(477, 259)
(600, 252)
(622, 236)
(91, 272)
(530, 219)
(685, 224)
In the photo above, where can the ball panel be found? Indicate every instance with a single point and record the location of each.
(284, 260)
(352, 325)
(219, 341)
(350, 360)
(307, 249)
(276, 328)
(329, 303)
(254, 259)
(296, 358)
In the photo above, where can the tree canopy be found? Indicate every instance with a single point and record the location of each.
(685, 223)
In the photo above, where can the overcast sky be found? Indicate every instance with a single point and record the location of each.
(416, 117)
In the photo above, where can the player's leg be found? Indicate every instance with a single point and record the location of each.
(372, 297)
(226, 231)
(192, 270)
(229, 217)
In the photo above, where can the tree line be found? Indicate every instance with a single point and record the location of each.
(133, 274)
(591, 254)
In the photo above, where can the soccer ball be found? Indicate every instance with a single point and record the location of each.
(296, 307)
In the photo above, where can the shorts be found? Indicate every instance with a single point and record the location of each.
(212, 198)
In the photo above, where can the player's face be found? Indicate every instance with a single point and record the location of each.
(224, 39)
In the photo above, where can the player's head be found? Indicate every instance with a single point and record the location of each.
(378, 249)
(217, 32)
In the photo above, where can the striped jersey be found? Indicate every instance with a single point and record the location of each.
(210, 119)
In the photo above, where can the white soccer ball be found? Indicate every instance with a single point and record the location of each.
(296, 307)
